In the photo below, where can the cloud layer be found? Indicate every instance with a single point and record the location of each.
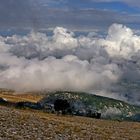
(63, 61)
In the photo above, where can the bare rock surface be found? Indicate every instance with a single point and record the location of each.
(18, 124)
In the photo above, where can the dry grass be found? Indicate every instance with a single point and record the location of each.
(16, 97)
(30, 124)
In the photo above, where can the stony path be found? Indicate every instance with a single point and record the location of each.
(34, 125)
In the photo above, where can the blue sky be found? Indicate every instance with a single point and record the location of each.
(73, 14)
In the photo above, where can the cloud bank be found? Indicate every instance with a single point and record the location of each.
(64, 61)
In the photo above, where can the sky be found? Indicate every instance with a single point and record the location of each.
(81, 15)
(52, 56)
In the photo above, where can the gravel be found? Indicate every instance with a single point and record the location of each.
(18, 124)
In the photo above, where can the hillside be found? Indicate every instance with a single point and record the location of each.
(110, 108)
(19, 96)
(29, 124)
(82, 102)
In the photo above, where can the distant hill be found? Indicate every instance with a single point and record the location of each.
(83, 102)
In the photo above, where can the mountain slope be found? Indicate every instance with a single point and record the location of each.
(18, 124)
(110, 108)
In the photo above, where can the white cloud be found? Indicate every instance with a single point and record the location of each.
(64, 61)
